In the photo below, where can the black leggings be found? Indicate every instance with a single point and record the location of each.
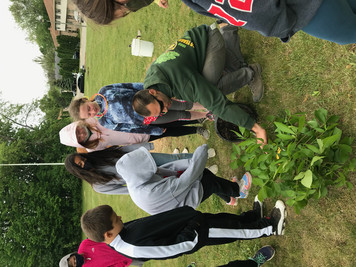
(246, 263)
(213, 184)
(176, 129)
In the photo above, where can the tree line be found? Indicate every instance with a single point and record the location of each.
(32, 17)
(40, 206)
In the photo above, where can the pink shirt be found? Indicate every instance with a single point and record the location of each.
(107, 137)
(113, 138)
(101, 255)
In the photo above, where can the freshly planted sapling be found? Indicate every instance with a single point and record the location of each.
(302, 158)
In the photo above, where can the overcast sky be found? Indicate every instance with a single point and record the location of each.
(21, 79)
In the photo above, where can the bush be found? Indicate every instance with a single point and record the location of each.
(68, 45)
(300, 161)
(40, 206)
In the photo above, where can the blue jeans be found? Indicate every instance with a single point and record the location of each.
(334, 21)
(162, 158)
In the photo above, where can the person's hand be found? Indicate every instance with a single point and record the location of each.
(260, 133)
(163, 3)
(164, 130)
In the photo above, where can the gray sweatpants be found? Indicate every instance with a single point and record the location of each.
(177, 111)
(224, 64)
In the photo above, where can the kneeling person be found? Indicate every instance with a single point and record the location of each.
(199, 67)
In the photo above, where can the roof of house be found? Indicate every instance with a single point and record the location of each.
(49, 4)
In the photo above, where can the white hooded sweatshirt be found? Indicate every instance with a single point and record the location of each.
(157, 190)
(108, 137)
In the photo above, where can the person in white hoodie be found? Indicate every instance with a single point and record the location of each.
(98, 168)
(157, 188)
(90, 135)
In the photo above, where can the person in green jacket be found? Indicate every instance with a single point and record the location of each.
(203, 66)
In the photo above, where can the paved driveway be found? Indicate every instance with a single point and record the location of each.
(83, 41)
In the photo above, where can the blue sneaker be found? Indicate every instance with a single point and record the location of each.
(263, 255)
(245, 184)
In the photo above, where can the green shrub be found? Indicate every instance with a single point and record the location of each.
(300, 161)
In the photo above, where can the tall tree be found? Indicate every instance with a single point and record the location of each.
(46, 60)
(40, 205)
(31, 16)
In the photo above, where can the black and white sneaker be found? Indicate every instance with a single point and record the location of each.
(263, 255)
(258, 205)
(278, 215)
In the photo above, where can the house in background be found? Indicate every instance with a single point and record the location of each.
(64, 18)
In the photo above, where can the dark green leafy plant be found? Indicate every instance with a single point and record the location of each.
(300, 161)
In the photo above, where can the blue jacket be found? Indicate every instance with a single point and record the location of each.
(120, 115)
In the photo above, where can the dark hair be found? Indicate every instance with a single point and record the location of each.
(102, 11)
(96, 222)
(140, 101)
(98, 159)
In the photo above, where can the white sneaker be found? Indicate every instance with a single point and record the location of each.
(211, 153)
(213, 168)
(176, 151)
(278, 214)
(185, 150)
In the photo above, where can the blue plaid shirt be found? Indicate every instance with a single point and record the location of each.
(120, 115)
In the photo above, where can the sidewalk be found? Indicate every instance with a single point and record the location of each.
(82, 58)
(83, 41)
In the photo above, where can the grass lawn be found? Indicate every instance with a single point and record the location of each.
(302, 75)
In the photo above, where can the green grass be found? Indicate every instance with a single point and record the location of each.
(302, 75)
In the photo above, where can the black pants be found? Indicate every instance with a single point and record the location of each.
(176, 129)
(223, 228)
(246, 263)
(190, 229)
(213, 184)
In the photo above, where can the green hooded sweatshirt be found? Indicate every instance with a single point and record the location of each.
(178, 73)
